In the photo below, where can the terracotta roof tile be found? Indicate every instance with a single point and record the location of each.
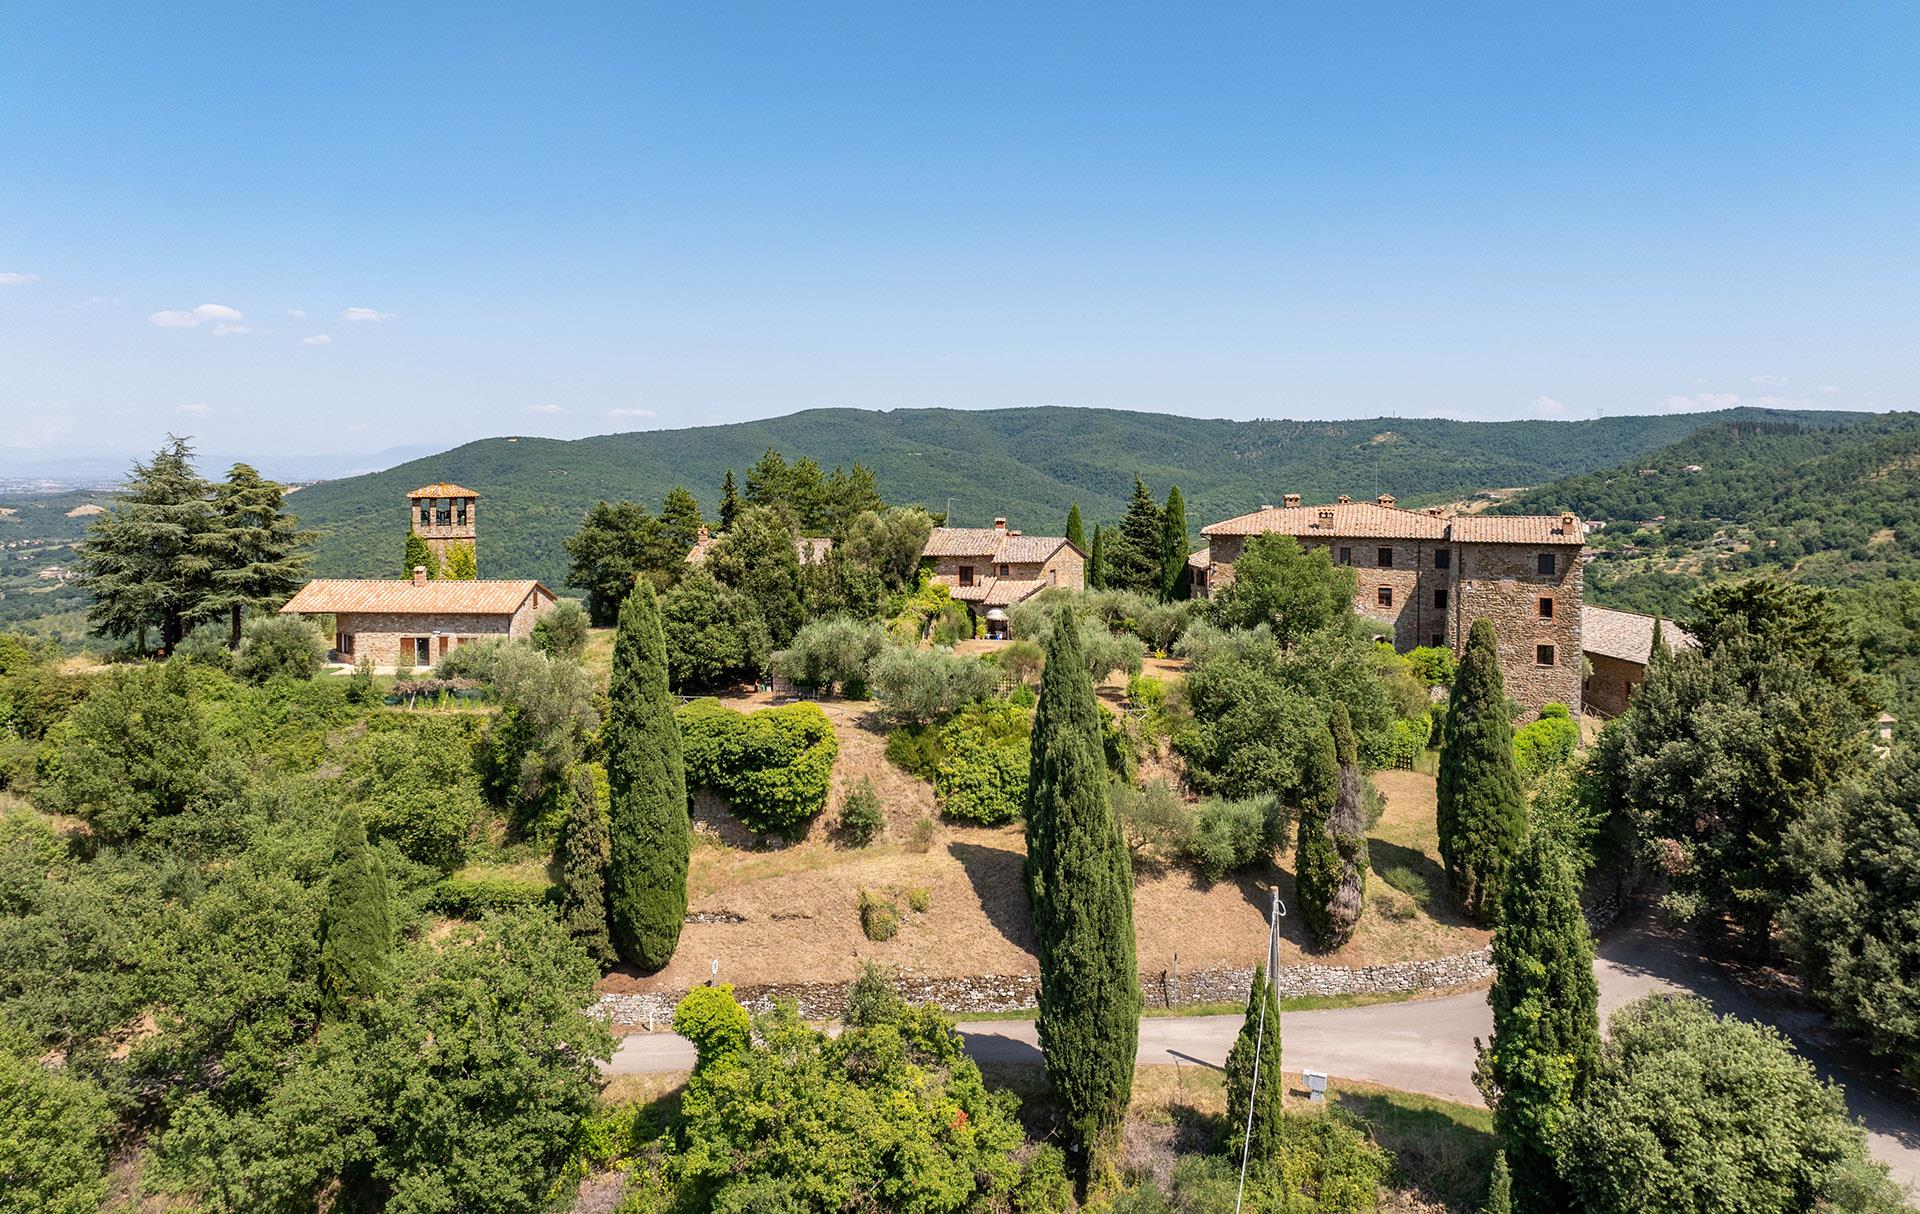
(333, 595)
(1200, 559)
(1028, 549)
(1006, 591)
(442, 489)
(1516, 529)
(1627, 635)
(992, 545)
(1359, 520)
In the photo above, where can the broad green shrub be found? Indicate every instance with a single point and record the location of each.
(718, 1027)
(1401, 746)
(831, 653)
(1227, 835)
(416, 788)
(926, 686)
(916, 750)
(982, 777)
(471, 897)
(861, 818)
(279, 645)
(773, 766)
(561, 630)
(1155, 821)
(1433, 664)
(879, 917)
(1546, 743)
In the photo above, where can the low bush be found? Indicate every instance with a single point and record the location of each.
(1546, 743)
(920, 837)
(879, 917)
(1400, 747)
(926, 686)
(1435, 665)
(773, 766)
(465, 896)
(279, 645)
(919, 898)
(831, 653)
(1153, 818)
(982, 776)
(1227, 835)
(916, 750)
(861, 818)
(561, 631)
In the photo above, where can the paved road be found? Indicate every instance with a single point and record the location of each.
(1427, 1045)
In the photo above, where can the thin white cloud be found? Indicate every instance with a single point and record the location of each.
(631, 413)
(1700, 402)
(296, 313)
(225, 330)
(373, 314)
(195, 410)
(17, 278)
(318, 339)
(194, 317)
(545, 409)
(1548, 407)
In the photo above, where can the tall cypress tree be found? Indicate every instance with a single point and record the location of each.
(1546, 1023)
(1262, 1041)
(1081, 887)
(420, 556)
(1173, 546)
(255, 549)
(1076, 530)
(647, 786)
(729, 501)
(583, 868)
(1482, 810)
(1316, 862)
(356, 925)
(1349, 829)
(1097, 559)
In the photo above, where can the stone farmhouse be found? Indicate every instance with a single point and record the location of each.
(415, 621)
(992, 568)
(1426, 578)
(811, 549)
(1618, 645)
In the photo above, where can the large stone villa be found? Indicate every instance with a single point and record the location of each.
(1428, 577)
(992, 568)
(415, 621)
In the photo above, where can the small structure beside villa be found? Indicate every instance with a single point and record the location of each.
(1619, 644)
(992, 568)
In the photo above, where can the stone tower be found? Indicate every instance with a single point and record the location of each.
(443, 515)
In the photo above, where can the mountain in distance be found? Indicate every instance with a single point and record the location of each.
(27, 471)
(1027, 464)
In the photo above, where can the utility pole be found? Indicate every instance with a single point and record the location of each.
(1276, 913)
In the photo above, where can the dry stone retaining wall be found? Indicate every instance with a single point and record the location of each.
(1016, 992)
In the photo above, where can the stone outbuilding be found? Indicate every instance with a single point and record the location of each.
(992, 568)
(416, 622)
(446, 516)
(1618, 646)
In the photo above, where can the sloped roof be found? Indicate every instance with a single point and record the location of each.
(1356, 520)
(993, 545)
(442, 489)
(1517, 529)
(1200, 559)
(1006, 591)
(1627, 635)
(324, 596)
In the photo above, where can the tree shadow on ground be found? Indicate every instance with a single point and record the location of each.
(1000, 883)
(1383, 857)
(1440, 1155)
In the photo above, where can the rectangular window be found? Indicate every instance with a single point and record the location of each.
(1003, 570)
(1543, 655)
(426, 516)
(1546, 608)
(1439, 598)
(1443, 558)
(1384, 596)
(966, 575)
(1346, 556)
(422, 651)
(1386, 558)
(343, 643)
(1546, 564)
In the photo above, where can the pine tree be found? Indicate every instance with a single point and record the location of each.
(420, 555)
(1097, 559)
(1316, 862)
(1499, 1187)
(1133, 557)
(1546, 1023)
(462, 564)
(1482, 810)
(680, 519)
(255, 549)
(1349, 829)
(142, 560)
(770, 481)
(356, 926)
(1173, 546)
(1076, 530)
(583, 868)
(1081, 887)
(729, 501)
(647, 787)
(1259, 1040)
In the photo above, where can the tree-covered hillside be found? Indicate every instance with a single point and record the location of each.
(1028, 464)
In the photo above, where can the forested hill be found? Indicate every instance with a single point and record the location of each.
(1829, 505)
(1028, 464)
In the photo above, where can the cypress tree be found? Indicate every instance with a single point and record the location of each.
(1097, 559)
(1546, 1023)
(1269, 1116)
(583, 868)
(1076, 530)
(647, 790)
(729, 501)
(356, 926)
(1316, 862)
(1659, 648)
(1482, 810)
(420, 554)
(1499, 1187)
(1081, 887)
(1349, 829)
(1173, 546)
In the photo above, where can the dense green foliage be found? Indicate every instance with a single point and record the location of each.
(1316, 861)
(924, 686)
(756, 557)
(281, 645)
(831, 653)
(1854, 923)
(1348, 826)
(982, 772)
(1482, 810)
(545, 724)
(1103, 647)
(1173, 546)
(1081, 888)
(862, 817)
(1256, 1082)
(582, 861)
(773, 765)
(1546, 1023)
(649, 832)
(417, 789)
(1546, 742)
(1288, 589)
(255, 553)
(617, 543)
(714, 633)
(1689, 1112)
(561, 631)
(462, 562)
(890, 1114)
(1134, 558)
(356, 924)
(53, 1140)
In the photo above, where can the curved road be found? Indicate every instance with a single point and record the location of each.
(1427, 1045)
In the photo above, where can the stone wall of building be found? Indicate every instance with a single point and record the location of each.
(1502, 583)
(1611, 684)
(377, 635)
(1018, 992)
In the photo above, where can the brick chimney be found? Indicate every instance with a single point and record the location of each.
(701, 536)
(419, 575)
(1385, 499)
(1566, 522)
(999, 524)
(1343, 499)
(1326, 519)
(1291, 499)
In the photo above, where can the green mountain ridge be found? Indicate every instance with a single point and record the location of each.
(1028, 464)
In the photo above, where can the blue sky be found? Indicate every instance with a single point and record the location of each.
(355, 227)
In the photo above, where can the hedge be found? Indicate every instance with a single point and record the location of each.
(982, 775)
(773, 766)
(471, 897)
